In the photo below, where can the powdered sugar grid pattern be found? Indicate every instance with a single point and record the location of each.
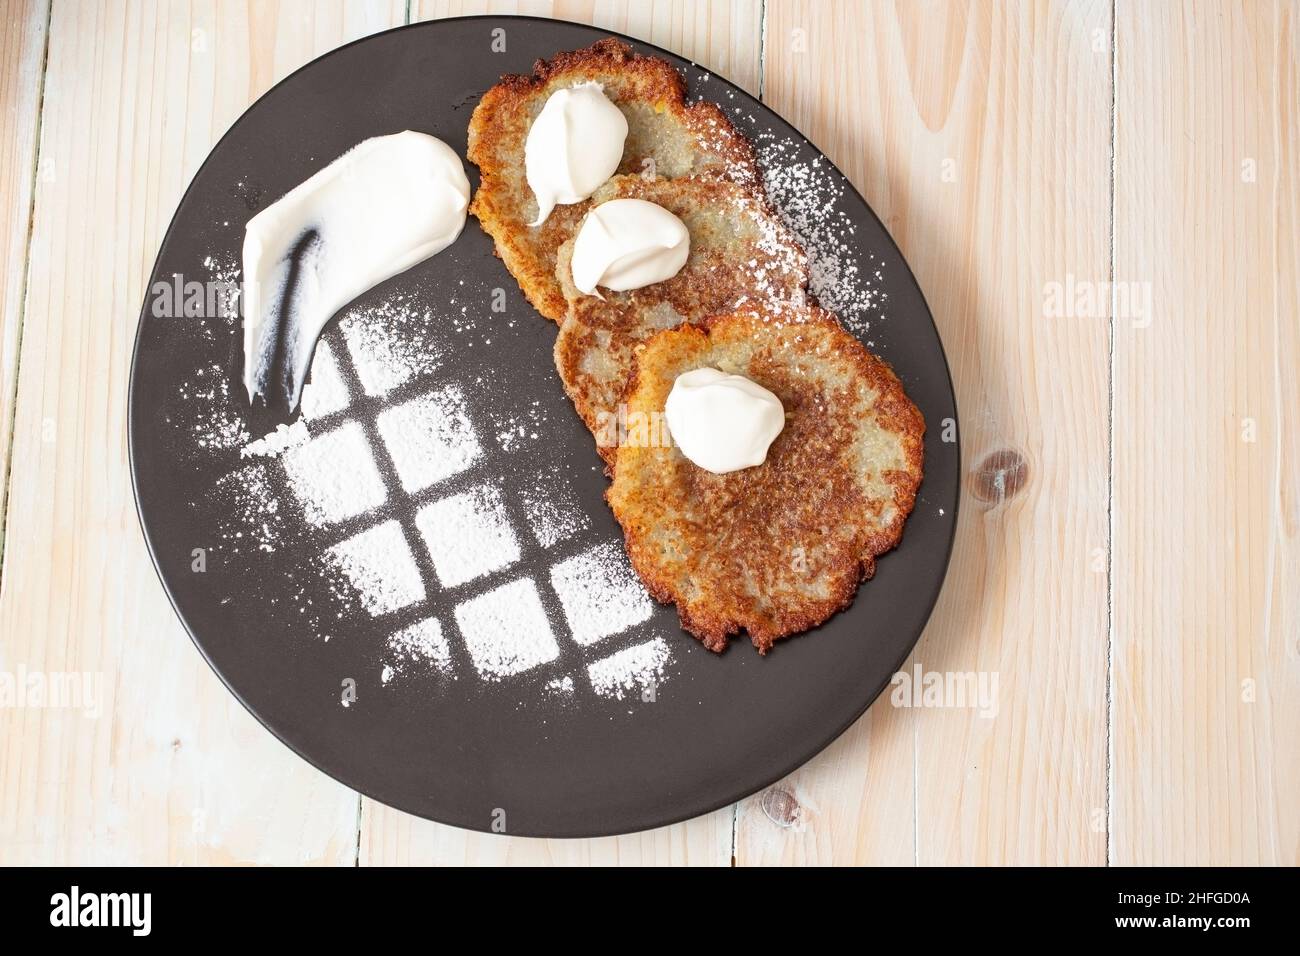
(400, 476)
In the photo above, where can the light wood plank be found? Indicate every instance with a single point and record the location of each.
(174, 770)
(726, 38)
(392, 838)
(980, 134)
(1207, 436)
(724, 35)
(22, 55)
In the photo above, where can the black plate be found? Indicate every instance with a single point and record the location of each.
(488, 755)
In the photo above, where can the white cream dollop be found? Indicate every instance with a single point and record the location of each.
(573, 146)
(381, 207)
(628, 244)
(722, 422)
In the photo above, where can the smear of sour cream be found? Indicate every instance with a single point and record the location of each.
(386, 204)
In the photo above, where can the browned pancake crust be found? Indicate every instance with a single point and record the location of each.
(681, 140)
(776, 549)
(741, 255)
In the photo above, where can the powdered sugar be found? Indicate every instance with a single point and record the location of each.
(807, 194)
(521, 427)
(561, 686)
(429, 438)
(506, 630)
(778, 277)
(552, 509)
(224, 272)
(379, 565)
(468, 535)
(334, 475)
(600, 593)
(217, 426)
(630, 671)
(253, 519)
(384, 350)
(419, 648)
(275, 443)
(325, 392)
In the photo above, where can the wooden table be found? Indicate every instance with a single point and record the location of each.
(1102, 204)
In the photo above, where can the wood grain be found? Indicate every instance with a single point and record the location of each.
(172, 770)
(725, 37)
(22, 66)
(1207, 436)
(980, 134)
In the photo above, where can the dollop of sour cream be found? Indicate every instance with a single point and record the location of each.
(722, 422)
(628, 244)
(381, 207)
(573, 146)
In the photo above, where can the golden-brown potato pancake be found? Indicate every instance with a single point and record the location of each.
(775, 549)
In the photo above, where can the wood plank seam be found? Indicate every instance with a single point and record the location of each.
(22, 292)
(1110, 436)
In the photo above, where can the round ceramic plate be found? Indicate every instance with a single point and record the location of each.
(424, 594)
